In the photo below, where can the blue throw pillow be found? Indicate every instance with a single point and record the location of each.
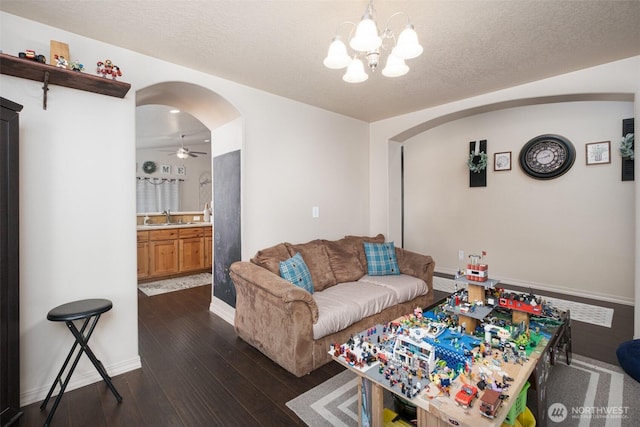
(296, 271)
(381, 259)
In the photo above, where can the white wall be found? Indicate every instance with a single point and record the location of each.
(620, 77)
(78, 225)
(572, 233)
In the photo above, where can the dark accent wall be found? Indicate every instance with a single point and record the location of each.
(226, 223)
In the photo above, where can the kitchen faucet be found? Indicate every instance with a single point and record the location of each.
(167, 213)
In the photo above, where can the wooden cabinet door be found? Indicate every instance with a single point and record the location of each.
(191, 254)
(143, 260)
(163, 257)
(208, 252)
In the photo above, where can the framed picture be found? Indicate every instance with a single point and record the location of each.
(598, 153)
(502, 161)
(180, 170)
(165, 169)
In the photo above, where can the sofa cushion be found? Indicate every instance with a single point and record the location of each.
(270, 258)
(295, 271)
(344, 260)
(315, 255)
(357, 242)
(381, 259)
(342, 305)
(404, 287)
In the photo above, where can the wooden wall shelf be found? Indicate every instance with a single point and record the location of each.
(32, 70)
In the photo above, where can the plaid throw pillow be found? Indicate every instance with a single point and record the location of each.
(296, 271)
(381, 259)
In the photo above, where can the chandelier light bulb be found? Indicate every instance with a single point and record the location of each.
(366, 38)
(337, 56)
(355, 72)
(395, 67)
(408, 46)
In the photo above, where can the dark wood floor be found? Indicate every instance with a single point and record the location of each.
(196, 372)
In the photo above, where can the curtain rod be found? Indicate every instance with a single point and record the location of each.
(144, 178)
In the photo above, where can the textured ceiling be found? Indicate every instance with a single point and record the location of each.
(470, 47)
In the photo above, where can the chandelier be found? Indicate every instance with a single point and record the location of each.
(368, 42)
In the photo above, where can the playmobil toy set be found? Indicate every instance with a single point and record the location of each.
(469, 346)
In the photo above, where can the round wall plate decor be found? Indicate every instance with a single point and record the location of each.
(149, 167)
(547, 156)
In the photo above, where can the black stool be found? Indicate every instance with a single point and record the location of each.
(89, 310)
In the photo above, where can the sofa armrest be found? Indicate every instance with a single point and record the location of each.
(417, 265)
(274, 316)
(261, 280)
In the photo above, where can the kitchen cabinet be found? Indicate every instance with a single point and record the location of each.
(143, 254)
(172, 252)
(191, 247)
(208, 248)
(163, 252)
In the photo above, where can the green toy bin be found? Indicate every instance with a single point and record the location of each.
(519, 406)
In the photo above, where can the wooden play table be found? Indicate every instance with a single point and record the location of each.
(434, 408)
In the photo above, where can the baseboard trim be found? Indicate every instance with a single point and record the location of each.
(223, 310)
(596, 296)
(80, 379)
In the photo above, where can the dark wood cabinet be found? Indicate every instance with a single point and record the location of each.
(9, 266)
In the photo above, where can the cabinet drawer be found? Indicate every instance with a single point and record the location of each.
(186, 233)
(208, 231)
(143, 236)
(168, 234)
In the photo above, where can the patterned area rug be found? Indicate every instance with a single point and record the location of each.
(177, 284)
(586, 393)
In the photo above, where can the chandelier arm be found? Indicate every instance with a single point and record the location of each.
(353, 27)
(388, 33)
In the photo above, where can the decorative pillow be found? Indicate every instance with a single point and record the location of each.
(270, 258)
(295, 271)
(357, 241)
(315, 255)
(629, 357)
(344, 260)
(381, 259)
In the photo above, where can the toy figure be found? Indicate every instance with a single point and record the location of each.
(108, 69)
(76, 66)
(61, 62)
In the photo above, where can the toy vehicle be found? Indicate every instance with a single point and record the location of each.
(31, 54)
(466, 395)
(490, 402)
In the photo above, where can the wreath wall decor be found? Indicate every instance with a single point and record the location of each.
(149, 167)
(481, 163)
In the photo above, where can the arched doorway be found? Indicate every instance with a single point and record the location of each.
(224, 122)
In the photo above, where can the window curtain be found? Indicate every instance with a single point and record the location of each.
(157, 195)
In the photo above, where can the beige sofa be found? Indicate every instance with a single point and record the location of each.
(295, 328)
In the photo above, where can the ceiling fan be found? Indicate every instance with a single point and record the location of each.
(183, 152)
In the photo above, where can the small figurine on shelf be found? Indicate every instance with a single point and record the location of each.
(107, 69)
(31, 54)
(61, 62)
(76, 66)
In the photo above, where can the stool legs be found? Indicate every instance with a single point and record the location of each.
(82, 340)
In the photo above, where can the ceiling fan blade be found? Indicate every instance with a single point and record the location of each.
(198, 152)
